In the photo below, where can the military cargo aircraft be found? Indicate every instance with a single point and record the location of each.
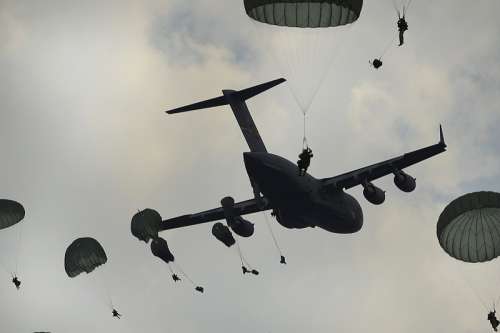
(296, 201)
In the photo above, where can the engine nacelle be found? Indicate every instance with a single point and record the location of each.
(222, 233)
(373, 194)
(404, 182)
(238, 224)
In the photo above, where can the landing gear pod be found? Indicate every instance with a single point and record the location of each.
(373, 194)
(222, 233)
(238, 224)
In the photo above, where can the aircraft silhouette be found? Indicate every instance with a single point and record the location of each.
(297, 201)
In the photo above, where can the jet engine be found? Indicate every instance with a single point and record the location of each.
(222, 233)
(238, 224)
(373, 194)
(404, 182)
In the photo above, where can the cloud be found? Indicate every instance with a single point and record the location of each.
(85, 143)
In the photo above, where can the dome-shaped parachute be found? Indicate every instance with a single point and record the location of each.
(469, 227)
(11, 212)
(84, 255)
(305, 13)
(146, 224)
(304, 37)
(159, 248)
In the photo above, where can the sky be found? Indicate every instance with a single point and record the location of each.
(85, 144)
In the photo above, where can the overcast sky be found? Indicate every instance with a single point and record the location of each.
(85, 144)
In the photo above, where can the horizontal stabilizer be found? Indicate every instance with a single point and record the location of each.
(255, 90)
(236, 99)
(222, 100)
(209, 103)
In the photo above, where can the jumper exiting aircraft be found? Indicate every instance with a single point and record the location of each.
(296, 201)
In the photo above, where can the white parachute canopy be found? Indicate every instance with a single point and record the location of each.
(303, 38)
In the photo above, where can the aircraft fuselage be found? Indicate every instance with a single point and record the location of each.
(302, 201)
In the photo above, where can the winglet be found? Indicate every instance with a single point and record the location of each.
(441, 136)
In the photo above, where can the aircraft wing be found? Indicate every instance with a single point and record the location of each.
(240, 208)
(378, 170)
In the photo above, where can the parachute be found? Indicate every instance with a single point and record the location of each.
(83, 255)
(305, 13)
(159, 248)
(146, 224)
(223, 234)
(11, 212)
(469, 227)
(401, 7)
(303, 36)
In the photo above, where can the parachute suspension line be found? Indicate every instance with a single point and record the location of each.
(294, 57)
(196, 287)
(102, 287)
(244, 262)
(405, 8)
(304, 138)
(401, 7)
(106, 289)
(387, 47)
(102, 280)
(245, 266)
(19, 246)
(273, 236)
(479, 298)
(496, 302)
(182, 272)
(5, 268)
(396, 8)
(285, 60)
(170, 268)
(329, 60)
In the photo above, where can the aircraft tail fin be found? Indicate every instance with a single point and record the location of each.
(236, 99)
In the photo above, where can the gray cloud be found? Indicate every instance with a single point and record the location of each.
(85, 144)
